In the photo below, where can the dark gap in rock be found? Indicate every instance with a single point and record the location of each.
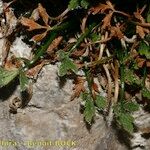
(146, 135)
(8, 90)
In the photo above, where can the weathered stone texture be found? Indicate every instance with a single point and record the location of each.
(51, 116)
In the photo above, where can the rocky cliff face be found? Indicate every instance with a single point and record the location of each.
(51, 121)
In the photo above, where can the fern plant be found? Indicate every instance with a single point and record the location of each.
(102, 42)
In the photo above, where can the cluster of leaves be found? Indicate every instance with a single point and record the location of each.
(101, 49)
(92, 105)
(92, 98)
(123, 115)
(66, 64)
(74, 4)
(6, 76)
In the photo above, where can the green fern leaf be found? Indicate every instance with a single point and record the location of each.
(66, 64)
(73, 4)
(23, 81)
(146, 93)
(84, 4)
(89, 111)
(131, 106)
(131, 78)
(100, 102)
(7, 76)
(144, 49)
(126, 121)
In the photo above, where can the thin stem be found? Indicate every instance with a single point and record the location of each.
(61, 15)
(122, 80)
(109, 81)
(146, 25)
(89, 80)
(82, 37)
(100, 62)
(122, 13)
(42, 49)
(102, 47)
(116, 93)
(63, 26)
(144, 75)
(110, 104)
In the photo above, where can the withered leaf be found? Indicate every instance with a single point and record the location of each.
(107, 20)
(134, 53)
(101, 8)
(141, 31)
(5, 50)
(140, 62)
(138, 15)
(148, 63)
(78, 53)
(39, 37)
(35, 14)
(95, 87)
(43, 14)
(11, 21)
(31, 24)
(12, 63)
(110, 5)
(78, 87)
(33, 72)
(54, 44)
(116, 32)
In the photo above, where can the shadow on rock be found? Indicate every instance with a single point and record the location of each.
(7, 91)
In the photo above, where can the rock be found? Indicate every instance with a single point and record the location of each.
(53, 120)
(20, 49)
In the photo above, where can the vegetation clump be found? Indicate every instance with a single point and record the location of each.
(107, 40)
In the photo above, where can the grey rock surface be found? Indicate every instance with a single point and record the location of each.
(51, 121)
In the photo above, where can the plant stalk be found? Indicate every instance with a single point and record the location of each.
(82, 37)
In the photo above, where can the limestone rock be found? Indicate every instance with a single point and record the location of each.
(51, 119)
